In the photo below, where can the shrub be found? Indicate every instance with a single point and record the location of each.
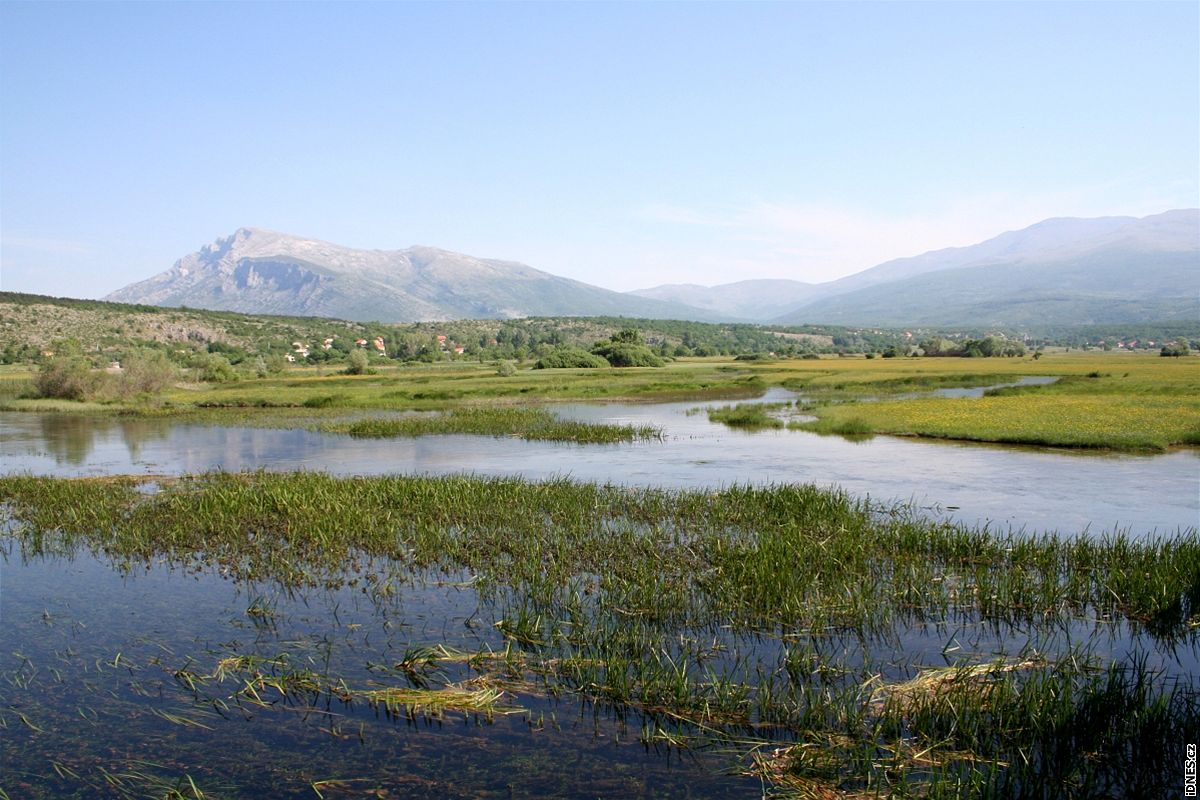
(146, 372)
(67, 378)
(628, 355)
(506, 369)
(215, 368)
(359, 362)
(570, 358)
(1174, 350)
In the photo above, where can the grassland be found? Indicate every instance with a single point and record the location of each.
(1123, 402)
(762, 618)
(1119, 401)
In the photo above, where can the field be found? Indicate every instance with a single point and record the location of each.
(1117, 401)
(793, 639)
(1122, 401)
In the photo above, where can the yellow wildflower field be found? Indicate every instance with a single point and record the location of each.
(1072, 421)
(1116, 401)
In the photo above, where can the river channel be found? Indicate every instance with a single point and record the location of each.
(112, 678)
(1003, 487)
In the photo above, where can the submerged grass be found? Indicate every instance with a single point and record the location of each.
(747, 553)
(722, 614)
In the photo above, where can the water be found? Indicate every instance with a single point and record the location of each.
(88, 686)
(91, 705)
(978, 391)
(89, 689)
(1035, 489)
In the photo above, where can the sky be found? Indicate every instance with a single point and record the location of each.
(622, 144)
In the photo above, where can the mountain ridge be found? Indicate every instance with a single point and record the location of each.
(1052, 245)
(256, 270)
(1084, 269)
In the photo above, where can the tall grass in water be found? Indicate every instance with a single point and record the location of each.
(523, 423)
(728, 611)
(746, 415)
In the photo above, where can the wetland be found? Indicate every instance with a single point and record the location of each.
(244, 591)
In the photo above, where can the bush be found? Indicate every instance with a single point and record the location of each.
(216, 368)
(627, 355)
(359, 362)
(146, 372)
(1174, 350)
(506, 369)
(67, 378)
(570, 358)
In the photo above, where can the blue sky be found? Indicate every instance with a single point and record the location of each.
(625, 144)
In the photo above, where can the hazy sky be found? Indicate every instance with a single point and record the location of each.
(625, 144)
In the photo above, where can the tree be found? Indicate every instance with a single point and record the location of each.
(359, 362)
(625, 349)
(570, 358)
(67, 377)
(146, 372)
(1174, 350)
(628, 336)
(215, 368)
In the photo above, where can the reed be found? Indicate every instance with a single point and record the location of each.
(522, 423)
(764, 614)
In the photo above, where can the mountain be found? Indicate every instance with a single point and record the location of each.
(1050, 241)
(1067, 271)
(1061, 271)
(1108, 270)
(743, 300)
(264, 272)
(1111, 288)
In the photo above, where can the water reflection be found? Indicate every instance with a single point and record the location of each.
(1035, 489)
(71, 440)
(106, 663)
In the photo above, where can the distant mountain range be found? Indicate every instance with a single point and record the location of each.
(1061, 272)
(263, 272)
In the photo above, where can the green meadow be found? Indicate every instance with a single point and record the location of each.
(821, 646)
(1100, 400)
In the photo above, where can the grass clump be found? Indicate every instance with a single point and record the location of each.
(745, 415)
(851, 427)
(522, 423)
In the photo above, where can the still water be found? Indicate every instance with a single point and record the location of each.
(1035, 489)
(93, 705)
(106, 674)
